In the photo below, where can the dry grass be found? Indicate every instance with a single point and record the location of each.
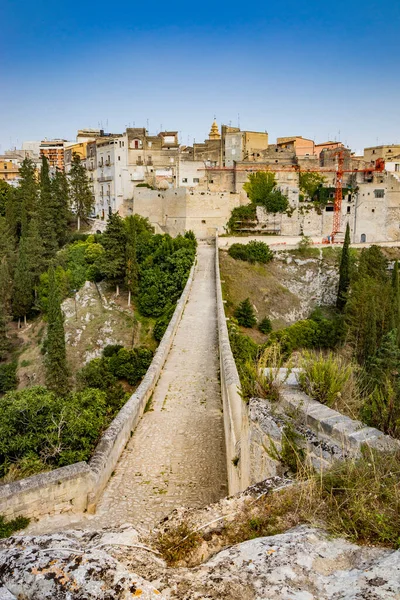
(356, 499)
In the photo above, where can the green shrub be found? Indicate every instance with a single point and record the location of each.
(111, 349)
(130, 364)
(242, 215)
(324, 333)
(252, 252)
(8, 377)
(7, 528)
(324, 377)
(97, 374)
(245, 314)
(162, 323)
(265, 326)
(41, 429)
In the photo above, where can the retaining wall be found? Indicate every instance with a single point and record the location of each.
(235, 410)
(325, 435)
(77, 487)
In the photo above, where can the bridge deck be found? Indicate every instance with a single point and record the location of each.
(176, 456)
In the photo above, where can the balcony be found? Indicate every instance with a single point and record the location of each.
(104, 178)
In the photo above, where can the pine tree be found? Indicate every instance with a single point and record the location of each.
(23, 290)
(344, 272)
(132, 269)
(60, 197)
(56, 358)
(81, 194)
(47, 225)
(13, 213)
(245, 314)
(28, 193)
(7, 240)
(113, 264)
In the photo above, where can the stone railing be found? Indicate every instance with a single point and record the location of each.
(77, 487)
(235, 412)
(324, 434)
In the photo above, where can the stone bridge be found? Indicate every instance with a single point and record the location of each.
(177, 453)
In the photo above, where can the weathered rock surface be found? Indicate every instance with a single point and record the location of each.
(301, 564)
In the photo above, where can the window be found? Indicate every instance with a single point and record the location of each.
(329, 209)
(348, 210)
(397, 167)
(184, 180)
(119, 158)
(211, 180)
(196, 180)
(149, 144)
(379, 193)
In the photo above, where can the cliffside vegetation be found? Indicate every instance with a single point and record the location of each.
(43, 262)
(262, 190)
(350, 350)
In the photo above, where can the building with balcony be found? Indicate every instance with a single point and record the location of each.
(53, 150)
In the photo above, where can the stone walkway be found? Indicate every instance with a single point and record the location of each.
(176, 456)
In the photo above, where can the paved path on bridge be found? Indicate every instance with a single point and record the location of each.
(176, 456)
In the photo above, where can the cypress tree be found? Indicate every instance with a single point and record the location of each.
(60, 196)
(369, 342)
(56, 359)
(47, 226)
(22, 299)
(27, 192)
(344, 272)
(113, 264)
(5, 297)
(81, 194)
(395, 300)
(132, 269)
(35, 252)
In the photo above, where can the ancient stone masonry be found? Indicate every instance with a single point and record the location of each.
(324, 434)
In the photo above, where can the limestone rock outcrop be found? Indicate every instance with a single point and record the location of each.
(301, 564)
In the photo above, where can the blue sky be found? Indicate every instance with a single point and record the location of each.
(289, 67)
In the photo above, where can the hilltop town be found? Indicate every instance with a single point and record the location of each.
(180, 188)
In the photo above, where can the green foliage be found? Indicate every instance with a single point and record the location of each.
(305, 248)
(5, 190)
(324, 377)
(81, 197)
(344, 272)
(265, 326)
(23, 285)
(162, 322)
(310, 184)
(8, 377)
(242, 216)
(22, 206)
(244, 352)
(145, 185)
(110, 350)
(245, 314)
(56, 359)
(64, 285)
(60, 206)
(114, 241)
(165, 264)
(97, 374)
(47, 214)
(261, 189)
(130, 365)
(40, 430)
(7, 528)
(252, 252)
(309, 333)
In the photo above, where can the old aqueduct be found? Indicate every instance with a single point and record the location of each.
(185, 437)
